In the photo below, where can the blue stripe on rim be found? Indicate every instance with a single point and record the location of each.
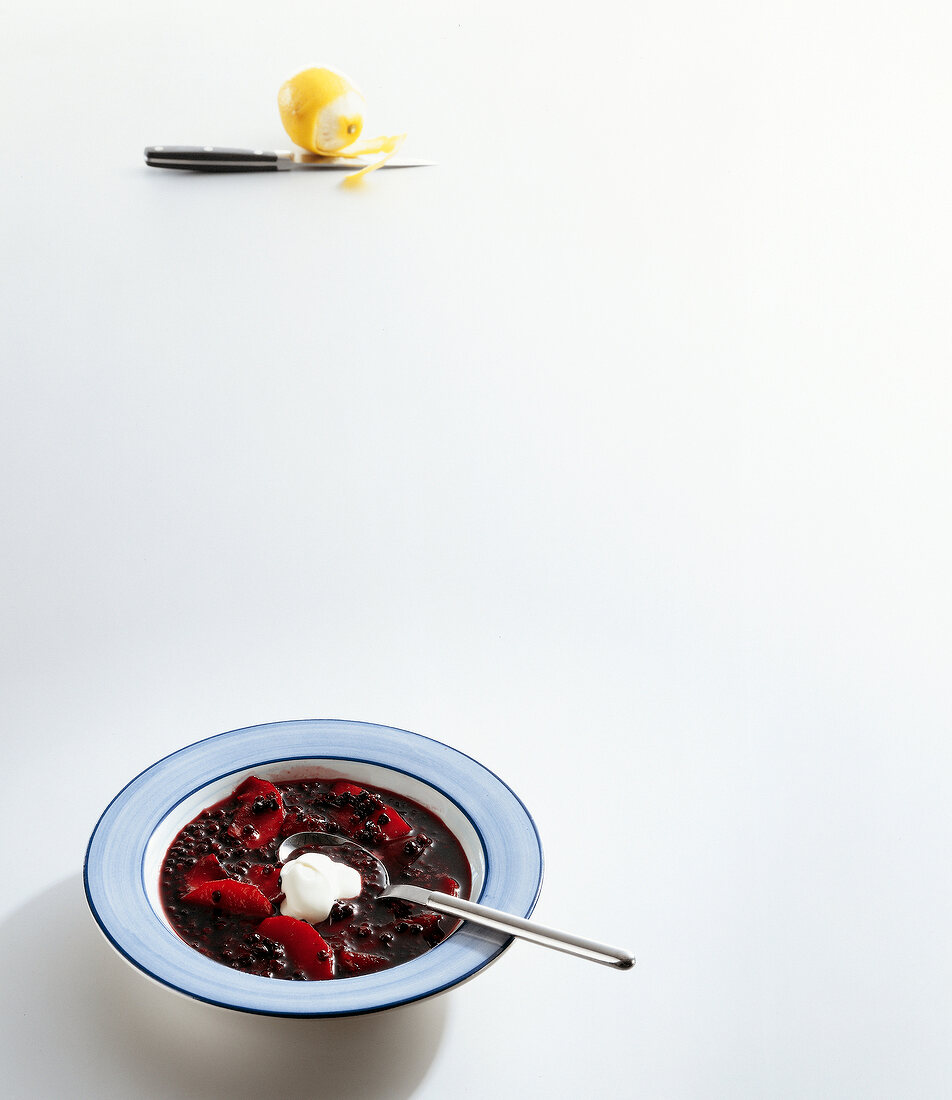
(114, 867)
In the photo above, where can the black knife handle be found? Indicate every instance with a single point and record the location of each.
(206, 158)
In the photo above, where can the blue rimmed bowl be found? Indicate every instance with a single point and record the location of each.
(131, 838)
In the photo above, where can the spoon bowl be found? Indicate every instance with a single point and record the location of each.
(371, 869)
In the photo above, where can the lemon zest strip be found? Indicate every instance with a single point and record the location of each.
(387, 146)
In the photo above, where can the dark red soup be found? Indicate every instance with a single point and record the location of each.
(221, 887)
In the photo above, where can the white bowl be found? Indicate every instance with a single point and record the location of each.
(127, 847)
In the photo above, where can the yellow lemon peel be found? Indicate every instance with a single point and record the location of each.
(387, 146)
(323, 112)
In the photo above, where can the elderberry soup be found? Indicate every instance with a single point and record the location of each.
(318, 916)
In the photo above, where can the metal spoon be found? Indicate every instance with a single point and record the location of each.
(466, 910)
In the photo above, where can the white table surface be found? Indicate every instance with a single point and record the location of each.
(614, 451)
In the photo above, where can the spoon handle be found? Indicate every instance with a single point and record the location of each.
(530, 930)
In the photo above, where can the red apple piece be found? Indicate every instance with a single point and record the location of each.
(393, 827)
(303, 944)
(390, 822)
(360, 962)
(208, 869)
(260, 813)
(266, 878)
(343, 787)
(447, 885)
(241, 898)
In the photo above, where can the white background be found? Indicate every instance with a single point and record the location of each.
(613, 451)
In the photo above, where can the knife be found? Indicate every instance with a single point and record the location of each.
(208, 158)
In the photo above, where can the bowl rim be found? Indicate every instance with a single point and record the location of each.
(118, 897)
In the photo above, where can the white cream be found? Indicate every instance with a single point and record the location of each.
(312, 883)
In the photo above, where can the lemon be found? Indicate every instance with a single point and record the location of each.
(323, 112)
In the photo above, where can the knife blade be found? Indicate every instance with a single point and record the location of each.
(209, 158)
